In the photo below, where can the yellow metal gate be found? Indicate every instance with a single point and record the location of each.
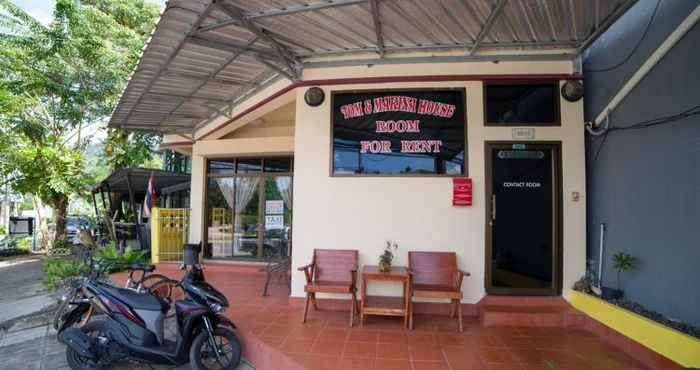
(169, 230)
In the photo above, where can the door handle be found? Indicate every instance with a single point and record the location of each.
(493, 209)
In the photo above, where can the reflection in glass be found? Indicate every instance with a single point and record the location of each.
(219, 207)
(221, 167)
(246, 208)
(278, 164)
(249, 165)
(278, 216)
(522, 104)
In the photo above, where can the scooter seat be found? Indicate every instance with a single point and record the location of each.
(142, 301)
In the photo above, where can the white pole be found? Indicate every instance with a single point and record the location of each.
(653, 59)
(601, 248)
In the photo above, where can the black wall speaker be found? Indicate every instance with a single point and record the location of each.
(572, 90)
(314, 96)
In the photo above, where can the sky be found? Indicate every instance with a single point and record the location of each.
(43, 9)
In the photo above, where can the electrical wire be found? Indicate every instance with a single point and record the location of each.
(636, 47)
(659, 121)
(693, 111)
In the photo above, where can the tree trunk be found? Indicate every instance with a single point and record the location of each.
(60, 209)
(43, 225)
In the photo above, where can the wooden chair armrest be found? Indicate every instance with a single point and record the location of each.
(302, 268)
(308, 272)
(460, 275)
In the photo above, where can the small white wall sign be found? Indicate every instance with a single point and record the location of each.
(274, 222)
(274, 207)
(523, 133)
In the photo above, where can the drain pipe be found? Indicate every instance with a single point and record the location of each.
(594, 127)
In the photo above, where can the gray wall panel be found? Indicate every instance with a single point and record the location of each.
(645, 184)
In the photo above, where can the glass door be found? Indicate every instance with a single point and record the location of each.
(249, 208)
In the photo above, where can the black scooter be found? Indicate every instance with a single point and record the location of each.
(132, 327)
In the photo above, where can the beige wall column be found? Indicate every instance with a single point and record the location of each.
(197, 187)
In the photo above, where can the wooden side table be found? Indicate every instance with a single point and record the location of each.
(381, 305)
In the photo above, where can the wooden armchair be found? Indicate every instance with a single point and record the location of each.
(436, 275)
(331, 271)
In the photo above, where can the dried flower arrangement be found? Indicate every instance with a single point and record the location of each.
(386, 258)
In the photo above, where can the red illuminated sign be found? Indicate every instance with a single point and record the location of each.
(461, 191)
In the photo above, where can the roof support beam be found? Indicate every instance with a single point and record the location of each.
(374, 5)
(460, 46)
(171, 95)
(235, 22)
(486, 28)
(231, 46)
(302, 8)
(192, 76)
(284, 56)
(277, 69)
(210, 77)
(442, 59)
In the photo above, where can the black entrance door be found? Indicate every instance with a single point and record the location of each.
(523, 218)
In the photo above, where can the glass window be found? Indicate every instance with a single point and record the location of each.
(278, 164)
(249, 165)
(522, 104)
(220, 198)
(221, 167)
(399, 133)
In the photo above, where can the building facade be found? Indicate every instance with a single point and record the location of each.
(339, 205)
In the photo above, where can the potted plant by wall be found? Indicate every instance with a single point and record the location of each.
(622, 262)
(386, 258)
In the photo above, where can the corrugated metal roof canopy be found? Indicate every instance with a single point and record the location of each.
(205, 56)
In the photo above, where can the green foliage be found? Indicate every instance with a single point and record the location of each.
(109, 256)
(56, 271)
(57, 81)
(13, 252)
(61, 245)
(2, 230)
(623, 262)
(135, 149)
(551, 366)
(16, 242)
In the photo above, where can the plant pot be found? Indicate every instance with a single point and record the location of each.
(611, 293)
(384, 267)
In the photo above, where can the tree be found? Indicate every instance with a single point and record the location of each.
(58, 80)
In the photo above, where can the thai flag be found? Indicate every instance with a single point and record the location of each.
(150, 200)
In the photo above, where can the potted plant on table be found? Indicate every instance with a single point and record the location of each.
(386, 258)
(622, 262)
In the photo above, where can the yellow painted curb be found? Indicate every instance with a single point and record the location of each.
(665, 341)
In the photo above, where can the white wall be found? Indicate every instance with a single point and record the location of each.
(363, 212)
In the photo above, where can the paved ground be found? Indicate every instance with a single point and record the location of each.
(22, 292)
(26, 339)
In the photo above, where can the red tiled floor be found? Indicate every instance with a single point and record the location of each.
(274, 337)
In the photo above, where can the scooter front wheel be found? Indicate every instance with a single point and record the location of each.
(223, 354)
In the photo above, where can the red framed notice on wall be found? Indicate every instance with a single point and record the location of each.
(461, 191)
